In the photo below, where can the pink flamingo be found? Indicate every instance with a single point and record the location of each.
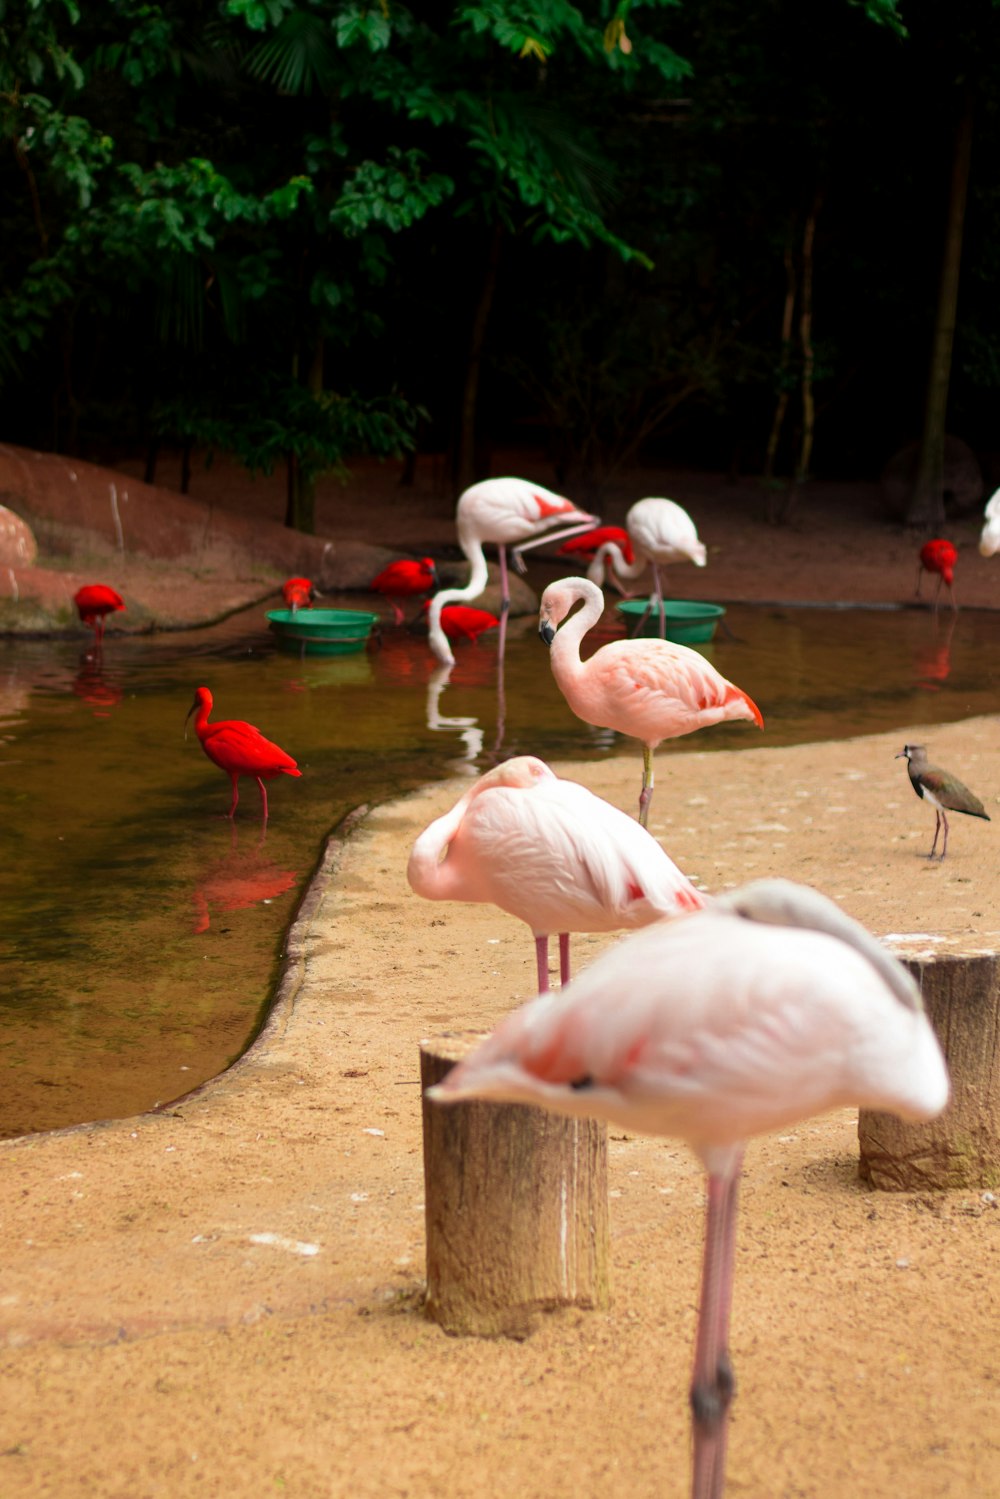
(239, 749)
(989, 540)
(502, 511)
(403, 580)
(94, 602)
(766, 1008)
(938, 556)
(551, 853)
(661, 532)
(651, 689)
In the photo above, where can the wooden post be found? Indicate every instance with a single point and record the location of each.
(516, 1203)
(961, 1148)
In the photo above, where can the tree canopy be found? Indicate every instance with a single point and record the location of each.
(305, 229)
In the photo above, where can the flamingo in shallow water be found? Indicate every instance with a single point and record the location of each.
(404, 580)
(661, 532)
(94, 602)
(503, 511)
(761, 1011)
(239, 749)
(551, 853)
(938, 557)
(651, 689)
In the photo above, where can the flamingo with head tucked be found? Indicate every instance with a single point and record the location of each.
(239, 749)
(761, 1011)
(552, 853)
(650, 689)
(661, 532)
(509, 512)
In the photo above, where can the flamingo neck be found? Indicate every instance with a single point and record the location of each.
(428, 871)
(614, 554)
(478, 579)
(565, 648)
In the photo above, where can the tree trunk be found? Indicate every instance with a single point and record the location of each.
(516, 1204)
(926, 507)
(300, 501)
(465, 465)
(961, 1148)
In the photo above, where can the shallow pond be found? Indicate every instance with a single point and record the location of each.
(141, 931)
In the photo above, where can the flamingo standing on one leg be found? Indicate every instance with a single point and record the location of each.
(239, 749)
(403, 580)
(651, 689)
(767, 1008)
(94, 602)
(551, 853)
(503, 511)
(298, 593)
(661, 532)
(939, 557)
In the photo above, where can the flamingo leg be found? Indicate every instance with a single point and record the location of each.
(646, 794)
(564, 957)
(658, 591)
(713, 1385)
(263, 796)
(504, 601)
(542, 963)
(234, 777)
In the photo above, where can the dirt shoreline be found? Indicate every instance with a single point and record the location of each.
(225, 1297)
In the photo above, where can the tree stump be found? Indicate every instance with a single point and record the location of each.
(961, 1148)
(516, 1208)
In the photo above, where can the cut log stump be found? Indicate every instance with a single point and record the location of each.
(961, 1148)
(516, 1208)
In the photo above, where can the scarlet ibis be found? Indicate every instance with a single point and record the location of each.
(651, 689)
(404, 580)
(298, 593)
(239, 749)
(944, 791)
(588, 543)
(767, 1008)
(463, 622)
(94, 602)
(552, 853)
(502, 511)
(938, 556)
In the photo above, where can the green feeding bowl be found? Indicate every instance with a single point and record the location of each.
(321, 632)
(688, 622)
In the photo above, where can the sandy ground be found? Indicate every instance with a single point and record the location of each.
(225, 1298)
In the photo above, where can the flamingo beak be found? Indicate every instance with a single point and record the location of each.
(546, 630)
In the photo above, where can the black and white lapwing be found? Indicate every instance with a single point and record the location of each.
(944, 791)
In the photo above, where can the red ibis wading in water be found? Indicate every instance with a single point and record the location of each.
(761, 1011)
(94, 602)
(938, 557)
(239, 749)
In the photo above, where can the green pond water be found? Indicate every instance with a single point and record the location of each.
(141, 932)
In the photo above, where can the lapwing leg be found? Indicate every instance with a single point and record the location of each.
(944, 846)
(937, 829)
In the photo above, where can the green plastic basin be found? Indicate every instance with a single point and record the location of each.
(688, 622)
(321, 632)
